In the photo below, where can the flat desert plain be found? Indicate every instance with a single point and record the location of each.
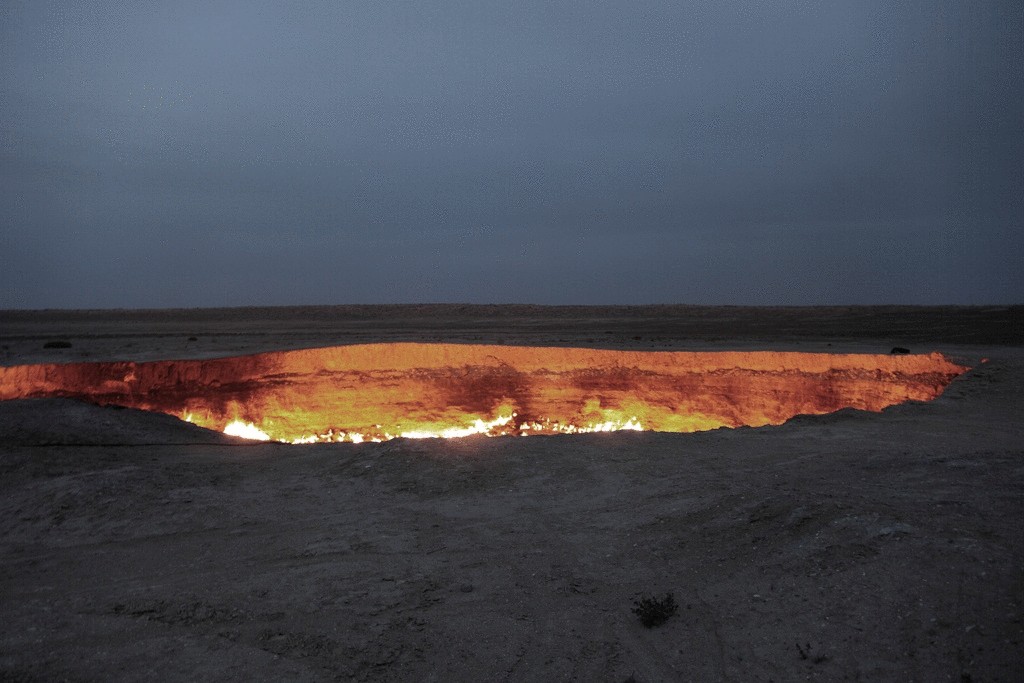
(853, 546)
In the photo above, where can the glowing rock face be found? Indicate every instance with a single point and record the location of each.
(375, 392)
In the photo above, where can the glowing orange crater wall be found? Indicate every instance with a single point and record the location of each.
(383, 390)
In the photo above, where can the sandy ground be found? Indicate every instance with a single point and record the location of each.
(846, 547)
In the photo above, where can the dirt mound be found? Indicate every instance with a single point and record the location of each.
(59, 421)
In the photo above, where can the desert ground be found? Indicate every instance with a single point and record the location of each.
(853, 546)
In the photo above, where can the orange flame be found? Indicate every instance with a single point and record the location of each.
(376, 392)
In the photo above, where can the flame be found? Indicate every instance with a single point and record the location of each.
(246, 430)
(377, 392)
(478, 427)
(500, 426)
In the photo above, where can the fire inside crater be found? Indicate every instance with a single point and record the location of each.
(375, 392)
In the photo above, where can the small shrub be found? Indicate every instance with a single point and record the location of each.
(57, 344)
(655, 612)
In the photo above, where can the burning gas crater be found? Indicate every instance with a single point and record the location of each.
(376, 392)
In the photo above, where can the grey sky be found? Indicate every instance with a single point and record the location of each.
(210, 153)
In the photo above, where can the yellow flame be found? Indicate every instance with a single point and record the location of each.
(478, 427)
(503, 425)
(246, 430)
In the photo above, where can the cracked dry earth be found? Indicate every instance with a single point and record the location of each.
(846, 547)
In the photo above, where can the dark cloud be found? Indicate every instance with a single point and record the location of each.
(207, 153)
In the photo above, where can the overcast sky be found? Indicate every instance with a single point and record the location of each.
(177, 153)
